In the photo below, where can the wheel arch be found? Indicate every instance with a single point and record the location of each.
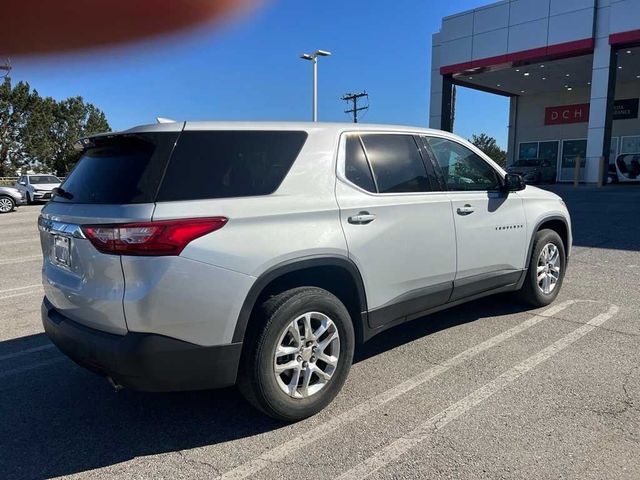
(556, 223)
(336, 274)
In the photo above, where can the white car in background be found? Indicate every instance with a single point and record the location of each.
(37, 187)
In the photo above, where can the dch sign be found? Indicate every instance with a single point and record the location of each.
(577, 113)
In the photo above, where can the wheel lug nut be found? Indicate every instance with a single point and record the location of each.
(314, 349)
(312, 359)
(309, 344)
(299, 358)
(305, 364)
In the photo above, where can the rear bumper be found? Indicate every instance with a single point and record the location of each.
(143, 361)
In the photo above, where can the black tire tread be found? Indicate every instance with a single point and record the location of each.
(254, 335)
(528, 293)
(248, 382)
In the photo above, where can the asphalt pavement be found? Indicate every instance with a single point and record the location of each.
(487, 390)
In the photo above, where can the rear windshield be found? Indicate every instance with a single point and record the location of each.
(141, 168)
(43, 179)
(118, 170)
(219, 164)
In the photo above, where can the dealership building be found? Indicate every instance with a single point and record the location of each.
(571, 69)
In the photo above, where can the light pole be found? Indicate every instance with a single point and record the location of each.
(314, 59)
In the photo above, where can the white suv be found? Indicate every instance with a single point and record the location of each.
(198, 255)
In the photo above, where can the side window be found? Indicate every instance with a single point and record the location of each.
(229, 163)
(396, 163)
(356, 165)
(462, 169)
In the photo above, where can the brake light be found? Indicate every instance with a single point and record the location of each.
(164, 237)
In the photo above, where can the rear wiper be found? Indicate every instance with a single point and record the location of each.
(62, 193)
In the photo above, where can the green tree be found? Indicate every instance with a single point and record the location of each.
(15, 105)
(489, 145)
(38, 133)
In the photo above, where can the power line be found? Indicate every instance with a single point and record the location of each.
(353, 97)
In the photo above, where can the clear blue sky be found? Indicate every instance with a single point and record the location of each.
(248, 68)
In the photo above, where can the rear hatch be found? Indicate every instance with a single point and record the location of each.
(115, 181)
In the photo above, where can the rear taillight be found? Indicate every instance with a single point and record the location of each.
(164, 237)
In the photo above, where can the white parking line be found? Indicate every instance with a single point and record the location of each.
(28, 258)
(15, 292)
(422, 433)
(27, 351)
(286, 449)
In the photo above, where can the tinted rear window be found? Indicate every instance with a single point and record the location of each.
(119, 170)
(219, 164)
(396, 163)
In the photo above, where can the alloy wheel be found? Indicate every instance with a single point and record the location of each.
(306, 355)
(548, 272)
(6, 205)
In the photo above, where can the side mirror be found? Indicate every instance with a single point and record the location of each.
(513, 182)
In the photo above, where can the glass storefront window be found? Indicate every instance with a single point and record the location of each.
(572, 150)
(528, 150)
(630, 144)
(613, 150)
(549, 151)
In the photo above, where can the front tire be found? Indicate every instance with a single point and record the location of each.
(297, 354)
(7, 204)
(546, 269)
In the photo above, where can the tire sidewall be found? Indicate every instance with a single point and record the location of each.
(279, 402)
(543, 238)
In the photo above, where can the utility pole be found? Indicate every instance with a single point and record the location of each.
(353, 97)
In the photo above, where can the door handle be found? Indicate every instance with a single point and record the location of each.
(361, 218)
(466, 210)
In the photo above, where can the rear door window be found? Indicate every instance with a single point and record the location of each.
(119, 169)
(396, 163)
(220, 164)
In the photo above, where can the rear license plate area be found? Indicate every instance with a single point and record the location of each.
(61, 251)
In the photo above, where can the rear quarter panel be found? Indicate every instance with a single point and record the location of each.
(208, 283)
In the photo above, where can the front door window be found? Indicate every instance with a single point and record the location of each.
(573, 151)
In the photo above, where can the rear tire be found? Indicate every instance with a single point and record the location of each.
(283, 395)
(7, 204)
(547, 262)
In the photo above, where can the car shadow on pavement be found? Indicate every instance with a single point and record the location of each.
(58, 419)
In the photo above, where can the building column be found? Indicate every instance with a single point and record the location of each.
(441, 87)
(603, 84)
(512, 144)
